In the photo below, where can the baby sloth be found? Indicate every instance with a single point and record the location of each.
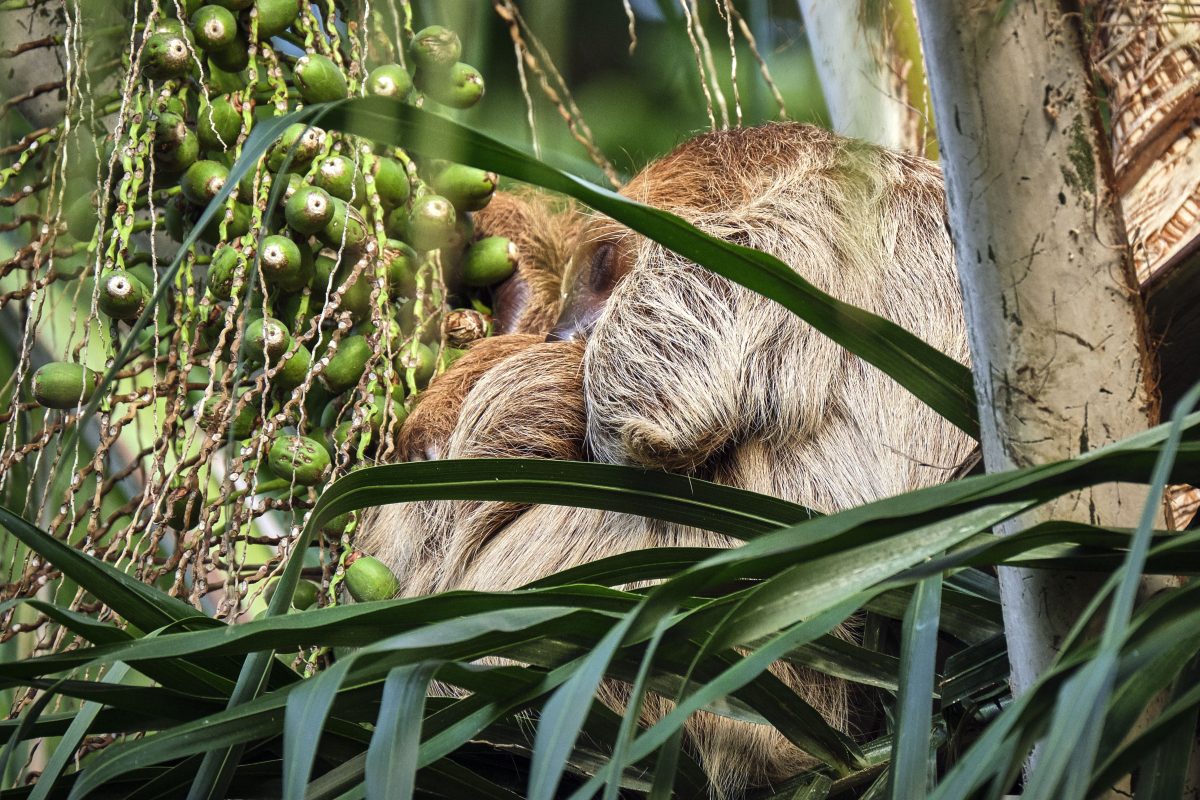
(630, 354)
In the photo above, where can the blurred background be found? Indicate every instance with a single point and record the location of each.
(638, 105)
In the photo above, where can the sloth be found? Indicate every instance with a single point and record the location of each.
(613, 349)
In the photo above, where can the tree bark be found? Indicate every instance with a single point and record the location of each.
(1056, 323)
(868, 59)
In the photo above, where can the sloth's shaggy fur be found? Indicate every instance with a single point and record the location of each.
(688, 372)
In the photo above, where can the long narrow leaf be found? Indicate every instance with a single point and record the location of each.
(908, 774)
(143, 606)
(564, 713)
(1070, 751)
(64, 751)
(395, 747)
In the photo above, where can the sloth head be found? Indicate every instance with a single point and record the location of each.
(682, 365)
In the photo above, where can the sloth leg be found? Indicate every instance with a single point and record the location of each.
(530, 405)
(427, 430)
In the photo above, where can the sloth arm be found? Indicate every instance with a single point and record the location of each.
(425, 433)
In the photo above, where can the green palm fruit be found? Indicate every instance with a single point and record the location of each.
(214, 27)
(139, 267)
(317, 395)
(391, 182)
(435, 48)
(175, 144)
(490, 260)
(392, 334)
(275, 16)
(169, 25)
(347, 364)
(308, 210)
(173, 218)
(329, 415)
(166, 56)
(402, 263)
(232, 5)
(285, 264)
(225, 81)
(341, 177)
(463, 235)
(188, 7)
(390, 80)
(468, 188)
(346, 227)
(267, 336)
(459, 87)
(324, 268)
(218, 124)
(61, 384)
(423, 363)
(226, 263)
(368, 579)
(212, 413)
(306, 140)
(203, 180)
(319, 79)
(287, 310)
(298, 459)
(292, 182)
(356, 296)
(239, 224)
(293, 185)
(294, 369)
(339, 436)
(396, 412)
(430, 223)
(304, 598)
(185, 508)
(337, 526)
(122, 295)
(233, 57)
(169, 128)
(81, 217)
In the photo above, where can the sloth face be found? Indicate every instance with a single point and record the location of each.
(597, 267)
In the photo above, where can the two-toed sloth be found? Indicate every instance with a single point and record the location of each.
(615, 349)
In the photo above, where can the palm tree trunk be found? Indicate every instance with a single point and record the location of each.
(868, 57)
(1056, 323)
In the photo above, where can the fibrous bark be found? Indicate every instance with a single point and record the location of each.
(1147, 55)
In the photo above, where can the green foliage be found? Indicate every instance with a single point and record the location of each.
(796, 578)
(222, 709)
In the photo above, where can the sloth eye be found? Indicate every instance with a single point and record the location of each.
(602, 269)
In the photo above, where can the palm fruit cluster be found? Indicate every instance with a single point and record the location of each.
(312, 302)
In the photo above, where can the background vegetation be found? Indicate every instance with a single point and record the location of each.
(137, 689)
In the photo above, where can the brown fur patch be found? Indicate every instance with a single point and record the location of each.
(433, 419)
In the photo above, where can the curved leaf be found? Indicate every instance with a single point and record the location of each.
(392, 756)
